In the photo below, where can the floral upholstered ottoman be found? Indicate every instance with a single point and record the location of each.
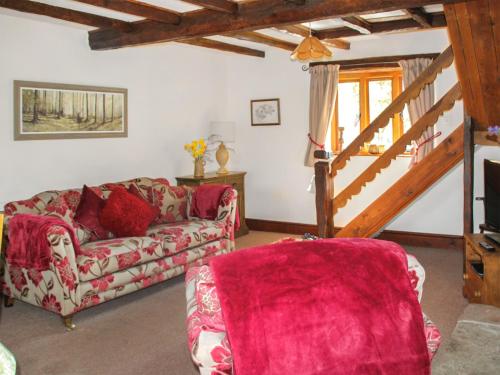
(207, 339)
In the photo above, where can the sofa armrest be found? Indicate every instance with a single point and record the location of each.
(417, 275)
(63, 251)
(189, 203)
(54, 289)
(226, 211)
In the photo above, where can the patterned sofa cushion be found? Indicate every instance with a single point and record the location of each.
(102, 258)
(176, 237)
(63, 203)
(145, 185)
(171, 200)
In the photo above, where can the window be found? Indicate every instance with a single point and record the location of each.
(361, 97)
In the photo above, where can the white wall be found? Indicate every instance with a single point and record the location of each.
(174, 91)
(273, 156)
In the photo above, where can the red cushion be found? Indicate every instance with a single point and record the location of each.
(88, 211)
(206, 200)
(133, 189)
(126, 215)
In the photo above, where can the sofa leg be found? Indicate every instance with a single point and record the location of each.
(8, 301)
(68, 322)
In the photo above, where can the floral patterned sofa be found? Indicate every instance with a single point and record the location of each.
(106, 269)
(207, 339)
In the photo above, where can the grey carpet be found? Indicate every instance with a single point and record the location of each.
(474, 346)
(144, 332)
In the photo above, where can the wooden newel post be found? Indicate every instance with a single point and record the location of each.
(324, 195)
(468, 179)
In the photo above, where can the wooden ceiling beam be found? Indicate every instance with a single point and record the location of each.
(301, 30)
(93, 20)
(65, 14)
(304, 32)
(252, 36)
(337, 43)
(361, 25)
(222, 46)
(138, 8)
(225, 6)
(419, 16)
(436, 21)
(252, 15)
(296, 2)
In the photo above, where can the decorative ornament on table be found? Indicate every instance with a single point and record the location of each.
(221, 132)
(197, 149)
(493, 133)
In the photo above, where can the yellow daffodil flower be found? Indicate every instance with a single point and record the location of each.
(196, 148)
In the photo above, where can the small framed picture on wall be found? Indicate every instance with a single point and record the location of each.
(265, 112)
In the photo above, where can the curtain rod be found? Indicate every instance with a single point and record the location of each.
(382, 61)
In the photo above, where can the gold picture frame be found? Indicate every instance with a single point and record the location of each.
(61, 111)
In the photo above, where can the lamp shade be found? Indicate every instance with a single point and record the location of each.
(311, 49)
(222, 131)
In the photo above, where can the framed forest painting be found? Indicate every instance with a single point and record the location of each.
(60, 111)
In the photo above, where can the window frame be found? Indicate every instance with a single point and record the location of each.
(364, 77)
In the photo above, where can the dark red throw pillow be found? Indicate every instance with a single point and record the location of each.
(126, 215)
(88, 211)
(133, 189)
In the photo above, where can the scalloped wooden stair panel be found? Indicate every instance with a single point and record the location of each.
(408, 188)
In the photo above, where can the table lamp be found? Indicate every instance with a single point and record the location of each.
(223, 132)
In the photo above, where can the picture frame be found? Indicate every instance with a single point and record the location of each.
(45, 110)
(265, 112)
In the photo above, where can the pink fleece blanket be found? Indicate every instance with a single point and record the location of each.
(339, 306)
(28, 243)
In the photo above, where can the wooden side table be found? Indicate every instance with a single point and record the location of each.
(235, 179)
(482, 271)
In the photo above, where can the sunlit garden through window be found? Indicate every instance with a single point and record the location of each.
(361, 97)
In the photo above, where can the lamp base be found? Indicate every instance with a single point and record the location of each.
(222, 171)
(222, 157)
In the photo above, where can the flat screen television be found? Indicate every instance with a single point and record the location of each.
(492, 193)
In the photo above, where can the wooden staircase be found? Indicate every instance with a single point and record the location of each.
(412, 184)
(421, 177)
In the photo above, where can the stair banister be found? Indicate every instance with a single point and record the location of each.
(413, 134)
(441, 62)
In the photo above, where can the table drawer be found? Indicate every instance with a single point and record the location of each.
(473, 284)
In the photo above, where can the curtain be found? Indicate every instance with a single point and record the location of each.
(420, 105)
(323, 92)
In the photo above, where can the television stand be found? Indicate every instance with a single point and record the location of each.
(482, 271)
(487, 228)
